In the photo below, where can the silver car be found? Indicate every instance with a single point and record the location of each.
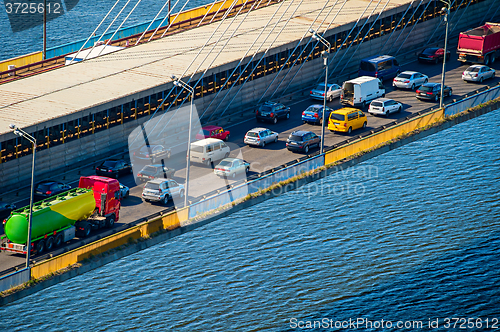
(230, 167)
(384, 106)
(161, 190)
(409, 80)
(333, 91)
(260, 137)
(478, 73)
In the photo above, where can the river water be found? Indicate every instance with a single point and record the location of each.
(410, 236)
(77, 23)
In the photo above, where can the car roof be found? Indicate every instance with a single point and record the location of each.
(231, 159)
(210, 127)
(47, 182)
(432, 48)
(430, 84)
(205, 141)
(382, 99)
(257, 130)
(300, 132)
(362, 79)
(345, 110)
(154, 165)
(476, 66)
(316, 106)
(409, 72)
(150, 146)
(378, 58)
(157, 181)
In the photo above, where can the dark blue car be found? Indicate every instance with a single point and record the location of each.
(380, 66)
(314, 114)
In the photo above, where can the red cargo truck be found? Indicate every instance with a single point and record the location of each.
(480, 45)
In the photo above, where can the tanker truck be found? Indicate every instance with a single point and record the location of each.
(94, 204)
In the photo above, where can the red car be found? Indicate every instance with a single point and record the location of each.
(213, 132)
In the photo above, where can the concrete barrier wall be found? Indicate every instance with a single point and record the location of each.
(14, 279)
(166, 222)
(472, 101)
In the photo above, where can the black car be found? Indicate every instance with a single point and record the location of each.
(49, 188)
(432, 91)
(113, 168)
(150, 172)
(433, 55)
(5, 210)
(152, 153)
(302, 141)
(271, 112)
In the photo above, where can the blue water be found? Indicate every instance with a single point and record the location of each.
(79, 23)
(412, 235)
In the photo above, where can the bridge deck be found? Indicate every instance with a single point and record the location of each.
(97, 81)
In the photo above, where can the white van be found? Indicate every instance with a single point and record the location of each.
(207, 150)
(360, 91)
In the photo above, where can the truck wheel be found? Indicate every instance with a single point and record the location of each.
(110, 222)
(487, 60)
(40, 247)
(49, 243)
(58, 240)
(85, 229)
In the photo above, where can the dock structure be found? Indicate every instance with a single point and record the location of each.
(86, 110)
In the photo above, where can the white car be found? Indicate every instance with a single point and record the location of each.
(332, 92)
(478, 73)
(230, 167)
(409, 80)
(384, 106)
(260, 137)
(161, 190)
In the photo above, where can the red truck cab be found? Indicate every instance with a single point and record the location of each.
(106, 194)
(213, 132)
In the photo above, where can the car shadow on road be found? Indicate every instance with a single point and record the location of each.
(131, 201)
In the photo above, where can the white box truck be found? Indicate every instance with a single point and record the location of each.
(360, 91)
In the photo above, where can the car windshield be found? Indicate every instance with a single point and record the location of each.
(429, 51)
(225, 163)
(377, 104)
(44, 187)
(367, 66)
(426, 88)
(154, 186)
(264, 108)
(473, 69)
(252, 134)
(312, 109)
(295, 138)
(109, 163)
(320, 87)
(197, 148)
(403, 75)
(335, 116)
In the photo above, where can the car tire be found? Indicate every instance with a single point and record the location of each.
(227, 138)
(247, 170)
(413, 86)
(436, 98)
(208, 162)
(364, 124)
(276, 139)
(399, 109)
(436, 61)
(275, 120)
(263, 144)
(287, 115)
(450, 93)
(304, 122)
(306, 149)
(349, 130)
(364, 104)
(181, 193)
(481, 80)
(381, 79)
(226, 155)
(165, 200)
(426, 80)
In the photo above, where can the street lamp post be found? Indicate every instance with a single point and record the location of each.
(21, 133)
(325, 55)
(446, 11)
(179, 83)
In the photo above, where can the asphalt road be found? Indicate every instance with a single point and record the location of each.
(203, 179)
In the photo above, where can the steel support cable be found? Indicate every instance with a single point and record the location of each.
(154, 19)
(162, 21)
(394, 30)
(359, 31)
(413, 27)
(255, 53)
(437, 27)
(452, 18)
(214, 58)
(494, 14)
(366, 34)
(105, 31)
(217, 12)
(317, 43)
(297, 46)
(460, 18)
(173, 21)
(208, 11)
(95, 30)
(404, 27)
(126, 18)
(182, 89)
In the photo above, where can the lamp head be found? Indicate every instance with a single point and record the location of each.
(174, 78)
(12, 126)
(312, 31)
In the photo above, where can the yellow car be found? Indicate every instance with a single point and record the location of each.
(346, 120)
